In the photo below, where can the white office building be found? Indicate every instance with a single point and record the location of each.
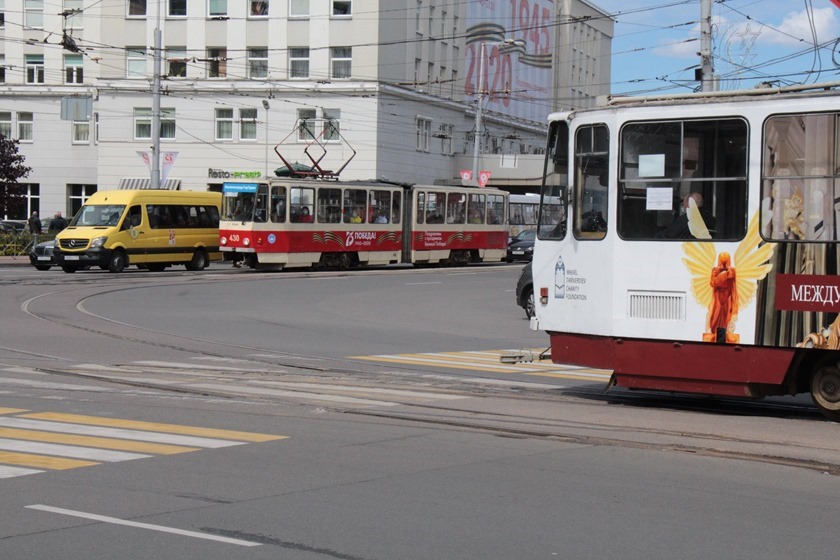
(368, 88)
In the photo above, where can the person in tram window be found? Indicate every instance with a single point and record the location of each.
(679, 227)
(305, 216)
(355, 218)
(280, 210)
(381, 218)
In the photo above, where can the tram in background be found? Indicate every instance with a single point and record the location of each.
(524, 211)
(700, 254)
(286, 223)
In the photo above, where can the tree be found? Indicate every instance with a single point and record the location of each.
(12, 197)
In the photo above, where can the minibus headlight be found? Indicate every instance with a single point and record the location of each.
(98, 242)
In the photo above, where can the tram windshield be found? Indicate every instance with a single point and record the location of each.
(245, 202)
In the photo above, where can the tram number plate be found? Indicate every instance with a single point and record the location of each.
(71, 257)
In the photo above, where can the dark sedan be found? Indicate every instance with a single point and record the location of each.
(41, 256)
(525, 291)
(521, 247)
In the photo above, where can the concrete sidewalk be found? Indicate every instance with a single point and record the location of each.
(22, 260)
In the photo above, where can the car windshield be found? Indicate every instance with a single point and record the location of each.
(527, 235)
(99, 215)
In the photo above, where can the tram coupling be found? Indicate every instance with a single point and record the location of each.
(524, 356)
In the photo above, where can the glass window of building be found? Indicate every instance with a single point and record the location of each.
(248, 124)
(257, 63)
(340, 62)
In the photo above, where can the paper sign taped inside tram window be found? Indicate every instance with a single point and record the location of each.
(659, 198)
(651, 165)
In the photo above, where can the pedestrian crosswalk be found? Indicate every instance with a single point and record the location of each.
(490, 361)
(36, 442)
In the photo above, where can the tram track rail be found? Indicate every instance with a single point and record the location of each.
(517, 423)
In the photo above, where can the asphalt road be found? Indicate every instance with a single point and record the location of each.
(364, 416)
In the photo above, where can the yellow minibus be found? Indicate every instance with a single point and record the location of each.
(151, 229)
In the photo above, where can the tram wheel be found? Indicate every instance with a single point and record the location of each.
(825, 391)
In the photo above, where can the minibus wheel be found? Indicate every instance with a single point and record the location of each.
(117, 261)
(198, 262)
(68, 269)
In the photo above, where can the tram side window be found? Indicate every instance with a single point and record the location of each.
(801, 178)
(592, 156)
(496, 209)
(420, 211)
(261, 209)
(279, 205)
(329, 205)
(475, 208)
(456, 208)
(380, 206)
(301, 205)
(552, 220)
(355, 206)
(435, 208)
(396, 214)
(683, 180)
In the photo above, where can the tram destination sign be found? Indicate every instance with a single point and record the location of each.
(808, 292)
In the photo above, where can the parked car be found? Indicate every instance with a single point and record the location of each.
(12, 226)
(41, 256)
(521, 247)
(525, 291)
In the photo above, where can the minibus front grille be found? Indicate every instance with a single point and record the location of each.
(73, 243)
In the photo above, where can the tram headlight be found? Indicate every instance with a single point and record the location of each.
(223, 241)
(246, 242)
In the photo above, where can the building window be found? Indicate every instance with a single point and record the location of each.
(217, 8)
(135, 62)
(81, 132)
(257, 63)
(446, 133)
(176, 60)
(306, 124)
(298, 8)
(25, 125)
(2, 68)
(177, 8)
(258, 8)
(224, 124)
(34, 68)
(342, 7)
(96, 128)
(248, 124)
(340, 62)
(6, 124)
(2, 14)
(136, 8)
(298, 63)
(424, 129)
(417, 11)
(216, 62)
(331, 124)
(73, 70)
(77, 195)
(73, 9)
(143, 124)
(33, 13)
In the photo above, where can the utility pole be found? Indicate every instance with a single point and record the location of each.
(156, 104)
(707, 80)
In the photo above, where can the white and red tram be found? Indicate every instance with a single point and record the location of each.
(287, 223)
(700, 248)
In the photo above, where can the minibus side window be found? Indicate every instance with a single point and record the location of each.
(134, 217)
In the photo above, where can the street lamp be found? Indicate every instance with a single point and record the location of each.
(480, 95)
(266, 105)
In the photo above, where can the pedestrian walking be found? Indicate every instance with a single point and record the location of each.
(34, 227)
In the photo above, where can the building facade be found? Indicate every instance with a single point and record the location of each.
(374, 88)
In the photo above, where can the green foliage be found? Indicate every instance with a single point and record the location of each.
(12, 200)
(12, 245)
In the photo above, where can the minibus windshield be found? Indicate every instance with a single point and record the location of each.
(99, 215)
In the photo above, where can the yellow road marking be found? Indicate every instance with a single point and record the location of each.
(93, 441)
(153, 427)
(42, 461)
(11, 410)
